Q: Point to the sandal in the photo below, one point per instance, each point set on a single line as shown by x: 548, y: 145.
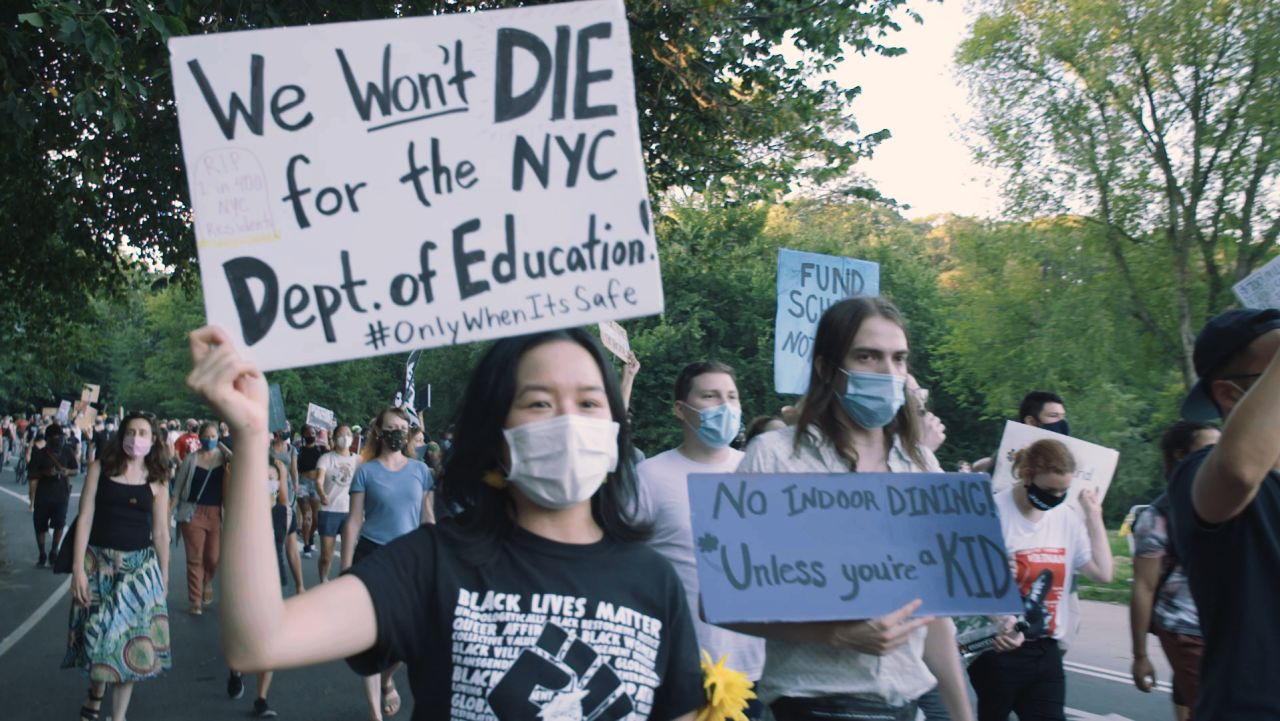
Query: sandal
x: 390, y: 698
x: 91, y: 714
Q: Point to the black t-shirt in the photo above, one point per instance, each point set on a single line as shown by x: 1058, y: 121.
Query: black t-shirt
x: 54, y: 483
x: 602, y: 629
x: 1234, y: 573
x: 309, y: 457
x: 100, y: 440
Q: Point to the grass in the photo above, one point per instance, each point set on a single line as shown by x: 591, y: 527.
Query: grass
x: 1118, y: 590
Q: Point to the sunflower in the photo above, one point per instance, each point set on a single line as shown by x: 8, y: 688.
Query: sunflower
x: 728, y: 691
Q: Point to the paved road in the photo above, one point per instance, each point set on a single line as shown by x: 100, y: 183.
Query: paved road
x: 35, y: 688
x: 34, y: 606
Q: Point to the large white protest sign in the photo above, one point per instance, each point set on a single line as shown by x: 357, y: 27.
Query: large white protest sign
x: 808, y: 284
x: 376, y: 187
x: 1095, y: 465
x: 1262, y: 288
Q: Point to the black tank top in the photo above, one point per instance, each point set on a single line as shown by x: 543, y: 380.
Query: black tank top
x: 121, y: 516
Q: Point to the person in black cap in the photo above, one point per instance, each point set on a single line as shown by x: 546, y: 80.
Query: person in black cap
x: 1225, y: 501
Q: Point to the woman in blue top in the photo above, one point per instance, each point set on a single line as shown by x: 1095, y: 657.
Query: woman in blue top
x: 390, y: 496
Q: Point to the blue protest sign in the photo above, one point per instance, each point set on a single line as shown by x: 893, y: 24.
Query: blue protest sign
x: 808, y: 284
x: 829, y: 547
x: 276, y: 420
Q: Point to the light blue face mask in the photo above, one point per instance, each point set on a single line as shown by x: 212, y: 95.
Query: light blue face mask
x: 718, y: 426
x: 873, y: 399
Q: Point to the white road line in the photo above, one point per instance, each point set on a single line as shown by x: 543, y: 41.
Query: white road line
x: 19, y: 496
x: 12, y: 639
x: 1075, y: 714
x: 23, y: 497
x: 1110, y: 674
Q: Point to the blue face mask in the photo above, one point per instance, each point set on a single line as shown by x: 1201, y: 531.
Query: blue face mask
x: 209, y: 444
x: 873, y: 399
x: 718, y: 426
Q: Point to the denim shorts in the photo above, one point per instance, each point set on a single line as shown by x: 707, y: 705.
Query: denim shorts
x: 331, y: 523
x: 307, y: 489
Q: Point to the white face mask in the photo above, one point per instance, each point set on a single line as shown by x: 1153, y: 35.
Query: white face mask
x: 563, y: 461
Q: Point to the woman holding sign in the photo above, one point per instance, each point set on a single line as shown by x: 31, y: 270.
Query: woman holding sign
x: 533, y: 601
x: 1050, y: 543
x: 855, y: 418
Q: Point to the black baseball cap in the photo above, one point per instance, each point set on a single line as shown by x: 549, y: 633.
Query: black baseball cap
x: 1221, y: 339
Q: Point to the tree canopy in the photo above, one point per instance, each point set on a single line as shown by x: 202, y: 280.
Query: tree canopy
x: 1157, y: 121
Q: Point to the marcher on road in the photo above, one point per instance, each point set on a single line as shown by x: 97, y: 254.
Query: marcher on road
x: 540, y: 485
x: 119, y: 625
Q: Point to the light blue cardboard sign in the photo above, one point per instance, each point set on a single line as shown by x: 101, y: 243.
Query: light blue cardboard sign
x: 831, y: 547
x: 808, y: 284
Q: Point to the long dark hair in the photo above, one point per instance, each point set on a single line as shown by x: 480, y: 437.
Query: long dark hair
x: 821, y: 406
x: 485, y: 513
x: 114, y: 459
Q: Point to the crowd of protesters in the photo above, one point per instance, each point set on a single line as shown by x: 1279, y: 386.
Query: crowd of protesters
x: 540, y: 497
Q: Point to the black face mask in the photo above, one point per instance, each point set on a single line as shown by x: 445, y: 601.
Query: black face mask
x: 1058, y: 427
x: 394, y: 440
x: 1043, y: 499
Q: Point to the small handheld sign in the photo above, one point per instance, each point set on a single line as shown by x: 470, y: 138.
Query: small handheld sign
x: 1095, y: 464
x: 1262, y: 288
x: 377, y: 187
x: 614, y: 337
x: 847, y: 546
x: 320, y: 417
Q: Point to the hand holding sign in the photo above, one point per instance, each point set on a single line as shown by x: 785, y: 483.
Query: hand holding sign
x: 881, y: 635
x: 231, y: 385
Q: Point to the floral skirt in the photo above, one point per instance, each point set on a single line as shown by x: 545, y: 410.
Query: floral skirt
x: 123, y: 635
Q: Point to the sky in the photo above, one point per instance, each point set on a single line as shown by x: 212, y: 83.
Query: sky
x: 920, y: 99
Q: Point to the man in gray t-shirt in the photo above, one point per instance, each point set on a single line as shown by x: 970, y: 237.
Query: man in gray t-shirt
x: 710, y: 415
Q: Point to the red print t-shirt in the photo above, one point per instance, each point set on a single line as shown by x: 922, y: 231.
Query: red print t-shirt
x: 1047, y: 552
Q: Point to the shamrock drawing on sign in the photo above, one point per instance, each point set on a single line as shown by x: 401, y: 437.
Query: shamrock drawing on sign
x: 708, y: 545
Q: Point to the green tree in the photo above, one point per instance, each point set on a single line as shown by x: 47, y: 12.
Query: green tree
x: 1039, y: 306
x: 1158, y: 122
x: 90, y: 138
